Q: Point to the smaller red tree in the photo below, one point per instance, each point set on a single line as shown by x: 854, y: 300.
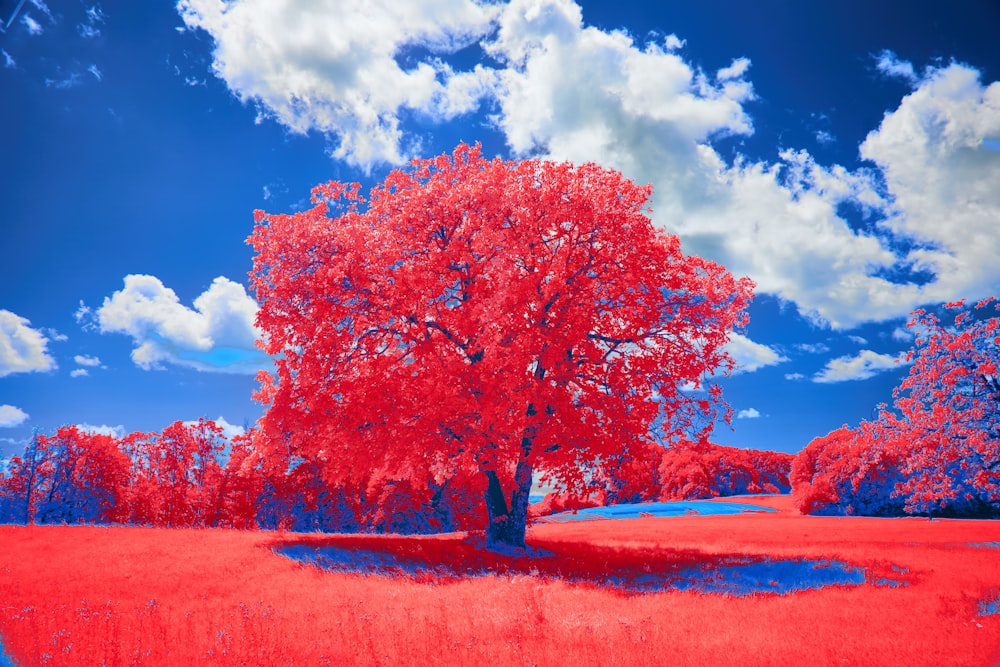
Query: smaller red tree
x: 939, y: 450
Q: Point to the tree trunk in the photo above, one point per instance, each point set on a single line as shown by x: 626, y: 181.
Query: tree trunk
x: 508, y: 523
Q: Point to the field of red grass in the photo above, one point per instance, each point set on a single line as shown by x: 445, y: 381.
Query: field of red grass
x: 136, y: 596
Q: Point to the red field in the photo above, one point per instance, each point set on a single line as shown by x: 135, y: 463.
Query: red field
x: 134, y: 596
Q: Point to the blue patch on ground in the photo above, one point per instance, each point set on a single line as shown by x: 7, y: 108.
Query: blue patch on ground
x: 989, y: 608
x: 338, y: 559
x: 736, y: 577
x: 770, y: 576
x: 985, y: 545
x: 5, y: 660
x: 640, y: 510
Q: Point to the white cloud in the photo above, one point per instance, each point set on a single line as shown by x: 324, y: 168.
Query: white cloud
x: 813, y: 348
x: 735, y: 71
x: 794, y: 376
x: 86, y: 360
x: 8, y: 60
x: 342, y: 67
x: 79, y: 373
x: 824, y: 137
x: 749, y: 413
x: 860, y: 340
x: 890, y: 65
x: 33, y: 26
x: 751, y: 356
x: 218, y: 334
x: 93, y: 69
x: 861, y: 366
x: 22, y: 349
x: 89, y: 29
x: 942, y: 181
x: 12, y: 416
x: 563, y: 90
x: 580, y: 94
x: 230, y: 431
x: 672, y: 42
x: 103, y: 429
x: 902, y: 334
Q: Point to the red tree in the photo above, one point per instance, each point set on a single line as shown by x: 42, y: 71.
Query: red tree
x: 480, y: 320
x: 176, y: 475
x: 939, y: 451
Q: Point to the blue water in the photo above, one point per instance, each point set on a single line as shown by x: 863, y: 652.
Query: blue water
x: 678, y: 508
x: 738, y: 577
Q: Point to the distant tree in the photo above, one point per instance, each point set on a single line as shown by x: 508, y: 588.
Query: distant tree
x: 176, y: 475
x: 70, y: 477
x: 86, y: 475
x: 479, y: 320
x: 938, y: 451
x: 692, y: 470
x: 21, y: 483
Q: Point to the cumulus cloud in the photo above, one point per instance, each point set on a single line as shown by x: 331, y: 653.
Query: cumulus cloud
x: 890, y: 65
x: 751, y: 356
x: 813, y: 348
x: 749, y: 413
x: 12, y: 416
x: 942, y: 181
x: 102, y: 429
x: 79, y: 373
x: 230, y: 431
x: 86, y: 360
x: 22, y: 349
x: 348, y: 68
x: 861, y: 366
x: 794, y: 376
x: 781, y: 223
x: 217, y: 335
x: 567, y: 91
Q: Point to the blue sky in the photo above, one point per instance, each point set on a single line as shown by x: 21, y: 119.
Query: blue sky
x: 844, y: 155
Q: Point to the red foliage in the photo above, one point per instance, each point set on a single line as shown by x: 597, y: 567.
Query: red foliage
x: 939, y: 452
x: 135, y: 596
x: 482, y: 319
x: 689, y: 471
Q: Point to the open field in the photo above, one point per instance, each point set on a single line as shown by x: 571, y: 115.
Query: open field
x: 137, y: 596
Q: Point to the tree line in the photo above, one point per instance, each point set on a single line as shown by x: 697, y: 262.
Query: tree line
x: 191, y: 475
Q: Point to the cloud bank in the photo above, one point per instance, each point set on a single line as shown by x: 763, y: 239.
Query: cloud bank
x: 927, y: 196
x: 340, y: 66
x: 217, y: 335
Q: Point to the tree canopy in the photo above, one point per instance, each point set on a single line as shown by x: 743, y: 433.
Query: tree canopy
x: 472, y: 321
x: 938, y: 452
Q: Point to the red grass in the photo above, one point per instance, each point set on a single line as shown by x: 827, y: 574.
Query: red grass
x: 137, y: 596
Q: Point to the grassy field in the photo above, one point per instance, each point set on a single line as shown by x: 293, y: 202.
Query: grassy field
x: 135, y: 596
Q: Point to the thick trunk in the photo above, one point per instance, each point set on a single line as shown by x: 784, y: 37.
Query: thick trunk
x: 508, y: 523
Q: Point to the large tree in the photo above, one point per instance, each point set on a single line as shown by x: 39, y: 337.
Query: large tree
x: 479, y: 320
